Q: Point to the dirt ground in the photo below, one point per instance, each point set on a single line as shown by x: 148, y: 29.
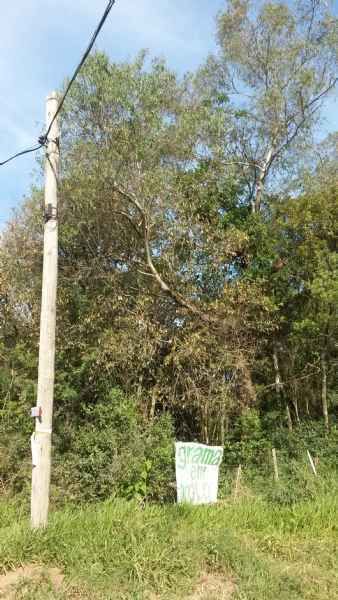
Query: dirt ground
x: 213, y: 587
x: 36, y: 581
x: 13, y: 583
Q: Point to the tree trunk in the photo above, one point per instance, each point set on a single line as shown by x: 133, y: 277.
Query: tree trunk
x: 278, y: 383
x: 152, y: 405
x: 295, y: 405
x: 256, y: 204
x: 247, y: 387
x: 205, y: 422
x: 324, y: 390
x: 288, y: 417
x: 279, y: 387
x: 307, y: 405
x: 222, y: 425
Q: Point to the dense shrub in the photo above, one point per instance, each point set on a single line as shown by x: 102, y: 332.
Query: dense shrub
x: 114, y: 451
x: 108, y: 449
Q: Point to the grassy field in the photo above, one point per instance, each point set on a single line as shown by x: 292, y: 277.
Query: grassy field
x: 251, y: 549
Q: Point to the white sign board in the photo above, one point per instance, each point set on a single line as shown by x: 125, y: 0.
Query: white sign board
x: 197, y: 469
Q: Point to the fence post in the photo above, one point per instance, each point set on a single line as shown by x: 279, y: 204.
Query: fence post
x: 237, y: 481
x: 275, y: 464
x: 311, y: 463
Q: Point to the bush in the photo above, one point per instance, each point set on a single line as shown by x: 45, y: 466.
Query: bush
x: 250, y: 444
x: 114, y: 451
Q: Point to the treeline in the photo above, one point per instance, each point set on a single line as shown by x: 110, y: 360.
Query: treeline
x: 198, y: 287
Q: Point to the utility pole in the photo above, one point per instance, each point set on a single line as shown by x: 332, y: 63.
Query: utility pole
x: 43, y: 412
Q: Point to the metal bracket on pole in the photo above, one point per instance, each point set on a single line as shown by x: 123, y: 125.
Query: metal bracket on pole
x: 50, y: 213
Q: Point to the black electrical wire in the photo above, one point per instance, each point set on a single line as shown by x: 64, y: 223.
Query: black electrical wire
x: 44, y: 138
x: 78, y: 68
x: 20, y: 154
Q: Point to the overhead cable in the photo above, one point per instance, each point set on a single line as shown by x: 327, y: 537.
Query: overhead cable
x: 44, y: 138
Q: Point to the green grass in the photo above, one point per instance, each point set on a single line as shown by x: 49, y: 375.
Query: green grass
x: 120, y: 550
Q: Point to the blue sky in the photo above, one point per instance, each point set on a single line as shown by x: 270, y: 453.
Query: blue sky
x: 41, y: 42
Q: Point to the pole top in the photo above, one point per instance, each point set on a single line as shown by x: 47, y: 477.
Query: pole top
x: 52, y: 96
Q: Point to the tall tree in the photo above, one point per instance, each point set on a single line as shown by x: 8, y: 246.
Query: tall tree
x: 278, y: 61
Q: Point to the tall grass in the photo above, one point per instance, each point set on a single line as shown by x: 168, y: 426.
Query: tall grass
x: 121, y: 550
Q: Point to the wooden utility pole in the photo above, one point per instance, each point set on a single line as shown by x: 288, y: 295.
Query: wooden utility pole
x: 43, y: 413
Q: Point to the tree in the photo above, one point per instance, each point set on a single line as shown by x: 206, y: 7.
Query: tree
x: 279, y: 62
x: 171, y: 290
x: 304, y: 231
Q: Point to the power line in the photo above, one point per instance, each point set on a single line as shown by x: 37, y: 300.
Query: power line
x: 43, y: 138
x: 78, y: 68
x: 28, y: 151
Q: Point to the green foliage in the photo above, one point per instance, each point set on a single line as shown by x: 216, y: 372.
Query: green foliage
x: 113, y: 451
x: 188, y: 307
x: 277, y: 61
x: 250, y: 445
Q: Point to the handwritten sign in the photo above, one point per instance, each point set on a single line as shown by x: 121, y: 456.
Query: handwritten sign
x: 197, y: 469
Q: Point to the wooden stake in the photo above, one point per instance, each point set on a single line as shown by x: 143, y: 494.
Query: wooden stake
x: 275, y: 464
x: 41, y: 439
x: 312, y: 463
x: 237, y: 482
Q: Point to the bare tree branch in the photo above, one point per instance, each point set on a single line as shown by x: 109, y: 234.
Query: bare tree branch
x: 176, y: 296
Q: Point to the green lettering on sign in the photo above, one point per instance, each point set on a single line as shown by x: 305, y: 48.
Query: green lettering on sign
x: 197, y: 472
